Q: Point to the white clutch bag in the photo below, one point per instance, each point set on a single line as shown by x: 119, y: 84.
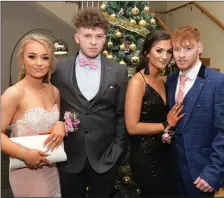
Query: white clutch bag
x: 36, y: 142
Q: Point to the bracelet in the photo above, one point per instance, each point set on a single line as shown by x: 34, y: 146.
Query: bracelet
x: 165, y: 124
x: 59, y: 121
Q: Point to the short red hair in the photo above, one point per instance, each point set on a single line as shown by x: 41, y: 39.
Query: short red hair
x: 186, y: 34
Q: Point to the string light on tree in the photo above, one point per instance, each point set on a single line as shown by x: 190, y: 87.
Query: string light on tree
x: 126, y: 180
x: 138, y: 191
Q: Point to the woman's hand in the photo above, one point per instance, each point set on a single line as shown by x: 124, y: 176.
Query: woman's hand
x: 57, y: 134
x: 174, y: 114
x: 34, y: 158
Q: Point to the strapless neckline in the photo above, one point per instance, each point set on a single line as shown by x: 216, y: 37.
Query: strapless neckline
x: 35, y: 108
x: 35, y: 120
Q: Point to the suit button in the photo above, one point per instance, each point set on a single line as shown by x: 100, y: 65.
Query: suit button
x: 86, y: 113
x: 86, y: 131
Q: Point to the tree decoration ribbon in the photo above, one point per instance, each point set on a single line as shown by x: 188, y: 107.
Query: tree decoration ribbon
x: 126, y: 25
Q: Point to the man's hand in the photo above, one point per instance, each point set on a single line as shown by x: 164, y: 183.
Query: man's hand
x: 57, y: 134
x: 203, y: 185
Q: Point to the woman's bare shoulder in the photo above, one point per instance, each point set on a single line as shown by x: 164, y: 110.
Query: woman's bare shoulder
x: 15, y: 91
x: 137, y: 80
x: 52, y: 88
x: 137, y: 85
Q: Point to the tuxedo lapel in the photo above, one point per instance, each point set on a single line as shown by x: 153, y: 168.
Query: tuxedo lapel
x: 106, y: 70
x: 193, y: 94
x: 75, y: 88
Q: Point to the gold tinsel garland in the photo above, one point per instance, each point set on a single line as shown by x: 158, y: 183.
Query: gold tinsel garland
x: 127, y: 25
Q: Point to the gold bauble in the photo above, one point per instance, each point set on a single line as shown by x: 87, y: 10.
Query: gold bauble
x: 153, y: 21
x: 113, y: 16
x: 126, y: 180
x: 109, y: 56
x: 132, y: 47
x: 142, y: 23
x: 132, y: 21
x: 103, y: 7
x: 135, y: 60
x: 122, y: 47
x: 135, y: 11
x: 105, y: 52
x: 122, y: 62
x: 146, y: 9
x: 110, y: 44
x: 118, y: 34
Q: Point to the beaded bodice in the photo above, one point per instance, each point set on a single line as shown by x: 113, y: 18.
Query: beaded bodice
x: 34, y: 121
x: 154, y: 110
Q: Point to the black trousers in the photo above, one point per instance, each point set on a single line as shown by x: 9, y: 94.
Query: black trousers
x: 99, y: 185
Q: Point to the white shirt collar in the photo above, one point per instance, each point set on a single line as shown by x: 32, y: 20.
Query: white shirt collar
x: 193, y: 72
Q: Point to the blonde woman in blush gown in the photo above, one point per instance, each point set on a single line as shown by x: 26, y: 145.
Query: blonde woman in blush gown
x: 31, y: 107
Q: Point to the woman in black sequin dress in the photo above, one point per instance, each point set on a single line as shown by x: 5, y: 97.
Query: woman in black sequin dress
x: 146, y: 116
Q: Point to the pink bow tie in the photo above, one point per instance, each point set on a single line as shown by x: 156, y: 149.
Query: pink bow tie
x: 91, y: 63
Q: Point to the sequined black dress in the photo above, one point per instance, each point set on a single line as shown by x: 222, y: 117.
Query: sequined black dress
x: 149, y: 157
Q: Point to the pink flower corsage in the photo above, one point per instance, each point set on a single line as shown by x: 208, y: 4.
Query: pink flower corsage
x: 166, y: 138
x: 71, y: 121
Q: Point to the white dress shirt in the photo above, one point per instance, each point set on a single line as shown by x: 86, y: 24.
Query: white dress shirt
x: 88, y: 79
x: 192, y: 75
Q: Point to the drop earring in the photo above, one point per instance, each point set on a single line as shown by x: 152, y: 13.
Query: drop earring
x: 146, y: 72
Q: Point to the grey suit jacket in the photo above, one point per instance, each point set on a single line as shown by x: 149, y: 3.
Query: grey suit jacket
x: 102, y: 134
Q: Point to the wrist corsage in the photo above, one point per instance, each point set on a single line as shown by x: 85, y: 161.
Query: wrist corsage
x: 71, y: 121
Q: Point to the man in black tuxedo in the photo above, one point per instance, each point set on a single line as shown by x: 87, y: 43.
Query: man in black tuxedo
x: 95, y: 88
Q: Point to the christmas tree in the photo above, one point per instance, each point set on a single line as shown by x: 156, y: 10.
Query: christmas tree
x: 130, y: 22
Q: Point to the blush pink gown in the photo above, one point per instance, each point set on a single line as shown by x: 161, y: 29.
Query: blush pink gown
x: 35, y: 183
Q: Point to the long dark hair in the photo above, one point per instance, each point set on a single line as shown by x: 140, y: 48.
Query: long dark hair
x: 151, y: 39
